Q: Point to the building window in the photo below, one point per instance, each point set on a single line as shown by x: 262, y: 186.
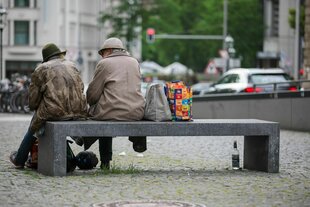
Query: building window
x: 9, y: 32
x: 20, y: 67
x: 21, y: 3
x: 21, y: 32
x: 35, y: 33
x: 275, y: 18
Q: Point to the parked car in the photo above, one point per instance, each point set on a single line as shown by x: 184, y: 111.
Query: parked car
x: 200, y: 89
x: 246, y: 80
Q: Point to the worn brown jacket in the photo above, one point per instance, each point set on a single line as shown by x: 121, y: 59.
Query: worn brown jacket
x: 115, y: 91
x: 56, y: 93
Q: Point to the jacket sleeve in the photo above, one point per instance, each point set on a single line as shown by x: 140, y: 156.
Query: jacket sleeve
x: 95, y: 88
x: 35, y: 93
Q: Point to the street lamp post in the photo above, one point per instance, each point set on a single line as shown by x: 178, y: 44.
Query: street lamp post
x: 229, y: 46
x: 2, y: 15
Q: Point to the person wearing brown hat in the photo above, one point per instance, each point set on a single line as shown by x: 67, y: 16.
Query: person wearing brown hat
x: 55, y: 93
x: 115, y: 93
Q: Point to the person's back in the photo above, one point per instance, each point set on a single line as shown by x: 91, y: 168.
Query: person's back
x: 115, y: 92
x: 55, y: 93
x: 62, y: 97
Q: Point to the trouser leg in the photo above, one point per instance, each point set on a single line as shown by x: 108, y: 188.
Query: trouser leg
x: 24, y: 148
x: 105, y: 149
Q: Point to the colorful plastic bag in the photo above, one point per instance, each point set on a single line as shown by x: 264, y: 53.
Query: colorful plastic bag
x: 180, y: 100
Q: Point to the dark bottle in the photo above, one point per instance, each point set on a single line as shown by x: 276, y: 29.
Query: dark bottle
x: 235, y: 157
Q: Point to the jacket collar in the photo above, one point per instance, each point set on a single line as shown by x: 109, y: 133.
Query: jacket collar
x: 119, y: 53
x: 54, y: 57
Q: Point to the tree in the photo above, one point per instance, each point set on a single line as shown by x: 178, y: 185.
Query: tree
x: 125, y: 19
x: 164, y: 17
x: 182, y: 17
x: 245, y: 25
x: 206, y: 17
x: 203, y: 17
x: 209, y: 23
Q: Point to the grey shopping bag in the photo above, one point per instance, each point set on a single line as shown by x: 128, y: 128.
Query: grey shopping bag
x: 156, y: 106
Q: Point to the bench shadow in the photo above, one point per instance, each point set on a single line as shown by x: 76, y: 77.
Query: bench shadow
x: 176, y: 172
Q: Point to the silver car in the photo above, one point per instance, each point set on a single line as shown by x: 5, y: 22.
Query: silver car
x: 252, y: 80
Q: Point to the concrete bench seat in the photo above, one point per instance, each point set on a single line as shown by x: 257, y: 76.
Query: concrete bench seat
x: 261, y: 138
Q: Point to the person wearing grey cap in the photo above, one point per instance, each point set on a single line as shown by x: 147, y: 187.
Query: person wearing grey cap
x: 115, y: 94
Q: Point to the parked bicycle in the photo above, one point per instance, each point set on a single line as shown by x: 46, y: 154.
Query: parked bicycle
x: 14, y: 95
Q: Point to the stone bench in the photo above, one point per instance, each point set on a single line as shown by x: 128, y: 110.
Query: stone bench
x: 261, y: 138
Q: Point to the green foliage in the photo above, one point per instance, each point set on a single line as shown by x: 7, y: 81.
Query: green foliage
x: 203, y: 17
x: 124, y: 19
x: 210, y: 22
x: 245, y: 25
x: 164, y: 18
x: 185, y: 17
x: 291, y: 19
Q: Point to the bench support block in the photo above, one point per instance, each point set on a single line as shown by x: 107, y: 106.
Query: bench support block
x: 52, y: 157
x: 261, y: 153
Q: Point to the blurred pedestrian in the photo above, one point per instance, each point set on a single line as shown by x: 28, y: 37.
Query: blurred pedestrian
x: 55, y: 93
x: 115, y: 94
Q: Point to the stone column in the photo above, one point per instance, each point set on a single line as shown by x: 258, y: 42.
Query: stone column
x: 307, y: 44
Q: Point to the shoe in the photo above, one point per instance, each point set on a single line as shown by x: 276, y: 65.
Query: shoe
x: 30, y: 164
x: 138, y: 144
x: 139, y: 147
x: 12, y: 159
x: 105, y: 165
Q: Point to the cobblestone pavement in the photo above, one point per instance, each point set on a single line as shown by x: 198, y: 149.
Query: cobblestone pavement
x: 189, y: 169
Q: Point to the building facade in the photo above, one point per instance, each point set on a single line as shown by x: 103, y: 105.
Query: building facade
x: 279, y: 37
x: 307, y: 44
x: 71, y: 24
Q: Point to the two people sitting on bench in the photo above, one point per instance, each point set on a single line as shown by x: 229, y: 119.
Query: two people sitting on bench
x: 56, y: 93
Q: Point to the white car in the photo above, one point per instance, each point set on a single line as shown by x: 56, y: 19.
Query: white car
x: 243, y: 80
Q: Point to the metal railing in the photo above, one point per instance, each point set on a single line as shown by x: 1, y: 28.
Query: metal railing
x: 297, y: 84
x: 292, y: 83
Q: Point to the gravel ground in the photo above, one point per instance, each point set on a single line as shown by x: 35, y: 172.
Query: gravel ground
x: 189, y: 169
